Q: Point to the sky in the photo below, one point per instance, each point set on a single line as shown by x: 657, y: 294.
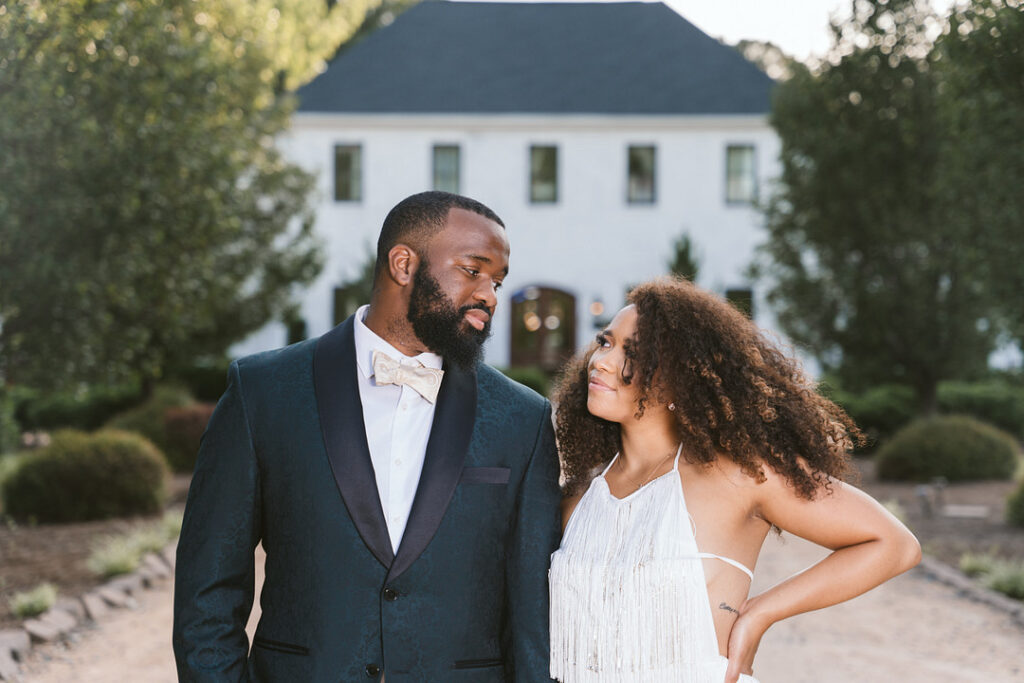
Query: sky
x: 799, y: 27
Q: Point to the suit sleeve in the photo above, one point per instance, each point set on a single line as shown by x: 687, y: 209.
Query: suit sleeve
x: 535, y: 536
x: 213, y: 584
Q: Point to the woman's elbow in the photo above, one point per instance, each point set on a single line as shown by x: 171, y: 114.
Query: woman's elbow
x: 907, y: 550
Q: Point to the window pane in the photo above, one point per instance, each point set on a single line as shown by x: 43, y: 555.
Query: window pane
x: 348, y: 173
x: 446, y: 168
x: 543, y: 174
x: 641, y: 174
x: 741, y: 178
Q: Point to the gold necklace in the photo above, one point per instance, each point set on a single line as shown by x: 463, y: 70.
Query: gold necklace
x: 647, y: 479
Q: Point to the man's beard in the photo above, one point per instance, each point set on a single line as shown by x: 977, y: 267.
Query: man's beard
x: 439, y: 325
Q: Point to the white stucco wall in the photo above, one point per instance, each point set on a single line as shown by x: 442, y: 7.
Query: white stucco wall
x: 591, y: 242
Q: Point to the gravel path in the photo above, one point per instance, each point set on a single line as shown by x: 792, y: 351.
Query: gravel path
x: 911, y: 629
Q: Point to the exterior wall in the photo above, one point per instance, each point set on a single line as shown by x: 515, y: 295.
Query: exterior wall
x: 591, y: 242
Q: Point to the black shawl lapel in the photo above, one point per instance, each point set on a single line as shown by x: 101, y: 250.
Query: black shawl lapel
x: 442, y: 464
x: 341, y: 419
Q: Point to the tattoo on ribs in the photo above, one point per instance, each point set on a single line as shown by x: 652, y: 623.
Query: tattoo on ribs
x: 726, y: 607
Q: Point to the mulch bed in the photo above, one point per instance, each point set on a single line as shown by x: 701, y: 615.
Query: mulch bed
x: 30, y: 555
x: 58, y: 553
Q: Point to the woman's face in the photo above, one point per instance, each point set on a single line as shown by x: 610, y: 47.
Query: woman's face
x: 608, y: 396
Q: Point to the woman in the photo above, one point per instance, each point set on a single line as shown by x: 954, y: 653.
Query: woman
x: 703, y: 437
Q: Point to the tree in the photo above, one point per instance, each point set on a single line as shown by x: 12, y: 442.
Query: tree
x: 684, y: 261
x: 862, y: 265
x: 980, y: 65
x: 146, y: 216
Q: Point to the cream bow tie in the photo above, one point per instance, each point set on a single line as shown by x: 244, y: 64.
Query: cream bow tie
x: 425, y: 381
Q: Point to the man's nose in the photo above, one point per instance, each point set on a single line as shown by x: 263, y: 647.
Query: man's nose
x: 486, y: 294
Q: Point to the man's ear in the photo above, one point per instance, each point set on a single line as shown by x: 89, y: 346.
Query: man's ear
x: 402, y: 264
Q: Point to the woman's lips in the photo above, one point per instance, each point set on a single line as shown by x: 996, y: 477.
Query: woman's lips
x: 598, y: 385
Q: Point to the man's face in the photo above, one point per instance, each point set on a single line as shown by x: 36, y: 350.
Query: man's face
x: 454, y: 289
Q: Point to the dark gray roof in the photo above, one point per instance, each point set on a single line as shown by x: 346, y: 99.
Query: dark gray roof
x: 548, y: 57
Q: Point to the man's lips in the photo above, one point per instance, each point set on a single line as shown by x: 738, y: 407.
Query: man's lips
x: 598, y: 385
x: 477, y: 318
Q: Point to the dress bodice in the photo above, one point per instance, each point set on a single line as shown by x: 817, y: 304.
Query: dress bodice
x: 628, y: 594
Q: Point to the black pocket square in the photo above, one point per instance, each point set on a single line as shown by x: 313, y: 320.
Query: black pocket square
x: 484, y: 475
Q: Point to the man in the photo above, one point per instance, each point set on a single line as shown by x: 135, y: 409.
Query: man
x: 408, y: 516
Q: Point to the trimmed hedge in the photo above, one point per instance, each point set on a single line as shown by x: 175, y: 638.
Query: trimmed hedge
x: 995, y: 402
x: 531, y: 377
x: 880, y: 411
x: 148, y: 418
x: 184, y: 428
x: 81, y: 477
x: 1015, y: 507
x: 957, y: 447
x: 86, y: 410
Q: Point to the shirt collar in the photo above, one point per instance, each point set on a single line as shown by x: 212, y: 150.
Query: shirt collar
x: 367, y: 341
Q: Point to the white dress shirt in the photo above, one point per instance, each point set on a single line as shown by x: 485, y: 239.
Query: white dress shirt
x: 397, y: 421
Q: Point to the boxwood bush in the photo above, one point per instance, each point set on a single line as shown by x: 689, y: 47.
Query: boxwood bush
x: 880, y: 411
x: 184, y: 428
x: 81, y: 476
x: 957, y: 447
x: 998, y: 403
x: 148, y: 419
x: 87, y: 409
x: 1015, y: 507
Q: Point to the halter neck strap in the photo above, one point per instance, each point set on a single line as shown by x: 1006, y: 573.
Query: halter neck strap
x: 609, y: 465
x: 679, y: 451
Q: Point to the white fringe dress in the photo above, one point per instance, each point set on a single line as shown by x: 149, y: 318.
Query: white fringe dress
x: 628, y: 596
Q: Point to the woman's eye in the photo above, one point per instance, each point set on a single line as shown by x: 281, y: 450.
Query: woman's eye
x: 602, y: 340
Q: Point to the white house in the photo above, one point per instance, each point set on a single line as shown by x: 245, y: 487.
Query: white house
x: 599, y: 132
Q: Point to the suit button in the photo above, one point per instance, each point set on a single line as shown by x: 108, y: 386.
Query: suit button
x: 390, y: 594
x: 372, y: 670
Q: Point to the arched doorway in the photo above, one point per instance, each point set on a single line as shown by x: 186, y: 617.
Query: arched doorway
x: 543, y: 330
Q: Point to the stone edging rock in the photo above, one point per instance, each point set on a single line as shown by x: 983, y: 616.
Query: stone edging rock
x: 942, y: 572
x: 68, y: 614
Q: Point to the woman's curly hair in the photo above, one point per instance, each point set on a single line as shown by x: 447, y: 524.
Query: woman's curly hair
x: 734, y: 392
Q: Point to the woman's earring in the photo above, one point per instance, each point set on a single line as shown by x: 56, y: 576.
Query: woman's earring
x: 671, y: 406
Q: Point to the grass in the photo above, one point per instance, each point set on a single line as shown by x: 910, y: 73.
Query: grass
x: 34, y: 602
x: 122, y: 554
x: 1004, y: 576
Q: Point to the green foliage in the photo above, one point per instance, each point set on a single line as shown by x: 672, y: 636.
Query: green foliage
x: 684, y: 261
x: 10, y: 429
x: 183, y: 429
x: 148, y: 418
x: 86, y: 408
x: 879, y: 411
x: 205, y: 380
x: 355, y: 291
x: 995, y: 402
x: 956, y: 447
x: 977, y: 564
x: 34, y: 602
x: 82, y: 476
x: 122, y: 554
x: 146, y: 215
x: 533, y: 377
x: 872, y: 260
x: 1015, y: 507
x: 1008, y: 578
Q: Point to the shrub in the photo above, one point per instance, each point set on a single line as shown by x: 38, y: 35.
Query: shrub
x: 206, y: 381
x: 530, y: 376
x: 975, y: 564
x: 184, y: 428
x: 122, y: 554
x: 1008, y: 578
x: 10, y: 430
x: 880, y: 411
x: 33, y: 602
x: 996, y: 402
x: 87, y: 476
x: 87, y: 409
x: 956, y: 447
x: 148, y: 419
x: 1015, y: 507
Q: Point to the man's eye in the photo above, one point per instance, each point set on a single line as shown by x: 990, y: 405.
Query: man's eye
x: 472, y: 271
x: 497, y: 286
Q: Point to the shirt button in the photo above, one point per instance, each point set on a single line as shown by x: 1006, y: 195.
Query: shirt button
x: 398, y: 461
x: 405, y: 407
x: 372, y: 670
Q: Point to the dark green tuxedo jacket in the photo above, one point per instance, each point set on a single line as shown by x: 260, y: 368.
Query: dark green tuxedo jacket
x: 285, y: 461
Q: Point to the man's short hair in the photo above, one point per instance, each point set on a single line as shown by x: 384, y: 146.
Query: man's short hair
x: 415, y: 219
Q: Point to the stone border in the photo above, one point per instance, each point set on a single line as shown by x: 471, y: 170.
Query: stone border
x: 68, y: 614
x: 940, y: 571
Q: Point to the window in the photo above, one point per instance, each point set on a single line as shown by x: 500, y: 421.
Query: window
x: 740, y: 174
x: 543, y: 174
x: 446, y: 168
x: 348, y: 173
x: 641, y: 175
